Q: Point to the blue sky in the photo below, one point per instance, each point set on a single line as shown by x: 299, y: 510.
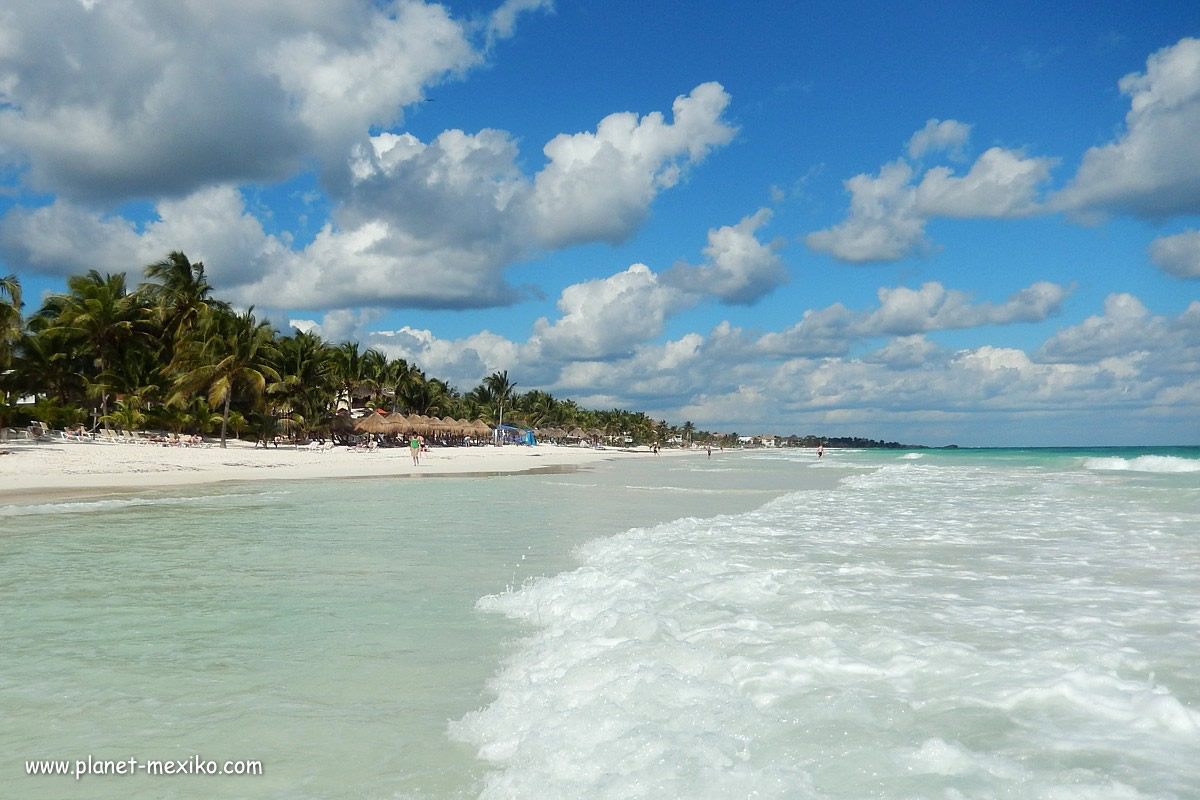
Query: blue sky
x: 939, y: 223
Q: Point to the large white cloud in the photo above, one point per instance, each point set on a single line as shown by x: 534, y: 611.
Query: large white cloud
x: 820, y: 332
x: 889, y: 211
x: 416, y: 224
x: 1001, y: 183
x: 1153, y: 168
x: 883, y: 223
x: 903, y: 312
x: 128, y: 98
x: 740, y: 268
x: 607, y: 317
x: 211, y: 225
x: 436, y: 224
x: 1126, y: 327
x: 598, y: 185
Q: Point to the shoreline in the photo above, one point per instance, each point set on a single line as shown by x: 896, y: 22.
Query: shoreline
x: 36, y: 473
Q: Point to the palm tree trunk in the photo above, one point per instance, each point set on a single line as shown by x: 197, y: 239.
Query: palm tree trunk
x: 225, y: 417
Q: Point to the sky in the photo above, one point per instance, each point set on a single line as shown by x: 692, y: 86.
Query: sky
x: 938, y: 223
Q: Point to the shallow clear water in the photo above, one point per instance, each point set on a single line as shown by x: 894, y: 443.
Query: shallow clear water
x: 875, y: 624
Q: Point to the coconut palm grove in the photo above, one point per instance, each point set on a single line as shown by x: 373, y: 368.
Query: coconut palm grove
x: 168, y: 355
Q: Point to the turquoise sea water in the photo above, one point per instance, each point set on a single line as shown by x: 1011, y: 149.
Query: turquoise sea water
x: 966, y: 623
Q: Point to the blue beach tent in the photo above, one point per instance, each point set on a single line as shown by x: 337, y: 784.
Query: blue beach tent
x: 517, y: 435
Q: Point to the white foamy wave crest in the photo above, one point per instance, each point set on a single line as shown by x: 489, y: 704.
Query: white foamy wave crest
x: 839, y: 643
x: 912, y: 456
x: 1131, y: 704
x: 1144, y: 464
x: 613, y: 695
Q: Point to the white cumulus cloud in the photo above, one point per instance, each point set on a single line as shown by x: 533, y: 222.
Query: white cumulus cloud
x: 1178, y: 255
x: 740, y: 268
x: 1152, y: 169
x: 888, y: 212
x: 131, y: 98
x: 946, y: 135
x: 607, y: 317
x: 417, y: 224
x: 599, y: 185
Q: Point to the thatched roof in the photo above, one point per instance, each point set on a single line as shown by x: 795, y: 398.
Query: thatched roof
x: 373, y: 423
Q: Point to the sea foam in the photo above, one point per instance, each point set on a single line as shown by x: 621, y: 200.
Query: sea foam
x: 904, y: 635
x: 1144, y: 464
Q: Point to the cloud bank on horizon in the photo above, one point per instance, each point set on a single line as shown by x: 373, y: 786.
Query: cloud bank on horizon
x: 743, y: 249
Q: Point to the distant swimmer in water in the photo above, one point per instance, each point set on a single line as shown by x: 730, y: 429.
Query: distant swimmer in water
x: 820, y: 450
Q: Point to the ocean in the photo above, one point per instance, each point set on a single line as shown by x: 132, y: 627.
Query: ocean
x: 999, y: 623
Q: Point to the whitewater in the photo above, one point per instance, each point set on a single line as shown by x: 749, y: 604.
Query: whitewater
x: 947, y: 625
x: 890, y: 624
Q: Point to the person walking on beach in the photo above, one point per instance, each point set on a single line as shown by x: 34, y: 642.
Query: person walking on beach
x: 710, y: 451
x: 414, y: 446
x: 820, y: 450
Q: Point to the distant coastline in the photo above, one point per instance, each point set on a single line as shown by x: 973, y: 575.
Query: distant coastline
x: 855, y: 442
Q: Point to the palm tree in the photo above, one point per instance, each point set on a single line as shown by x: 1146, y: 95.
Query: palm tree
x: 102, y: 319
x: 234, y: 351
x: 182, y: 294
x: 307, y: 384
x: 500, y: 390
x: 537, y: 407
x: 687, y: 430
x: 47, y: 363
x: 375, y: 375
x: 10, y: 316
x: 430, y: 396
x: 128, y: 415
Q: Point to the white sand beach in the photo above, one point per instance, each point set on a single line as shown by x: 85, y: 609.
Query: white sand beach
x: 34, y: 471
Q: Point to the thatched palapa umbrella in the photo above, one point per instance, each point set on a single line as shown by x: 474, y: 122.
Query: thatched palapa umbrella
x: 373, y: 423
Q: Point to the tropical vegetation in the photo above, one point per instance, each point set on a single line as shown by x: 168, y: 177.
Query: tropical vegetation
x: 168, y: 355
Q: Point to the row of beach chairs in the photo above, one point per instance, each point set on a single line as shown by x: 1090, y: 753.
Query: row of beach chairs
x: 115, y: 436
